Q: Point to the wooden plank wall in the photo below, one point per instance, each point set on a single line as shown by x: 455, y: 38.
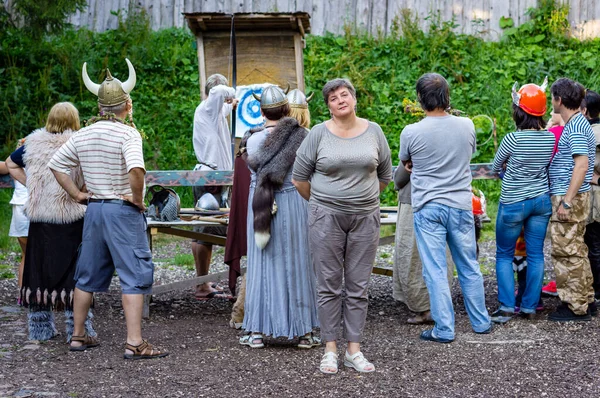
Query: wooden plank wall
x: 374, y: 16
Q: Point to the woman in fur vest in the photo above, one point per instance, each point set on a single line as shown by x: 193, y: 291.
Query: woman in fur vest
x: 56, y: 225
x: 280, y: 282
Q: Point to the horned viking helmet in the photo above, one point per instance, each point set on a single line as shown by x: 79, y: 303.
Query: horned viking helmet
x: 112, y: 91
x: 531, y: 97
x: 297, y: 99
x: 272, y: 97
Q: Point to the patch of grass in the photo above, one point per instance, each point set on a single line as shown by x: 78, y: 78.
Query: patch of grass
x: 385, y: 255
x: 387, y: 230
x: 489, y: 229
x: 6, y: 272
x: 6, y: 242
x: 184, y: 260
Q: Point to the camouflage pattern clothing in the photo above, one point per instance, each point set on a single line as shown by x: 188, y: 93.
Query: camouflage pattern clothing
x: 570, y: 254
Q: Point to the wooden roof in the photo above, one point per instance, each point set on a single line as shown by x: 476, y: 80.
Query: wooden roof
x: 221, y: 22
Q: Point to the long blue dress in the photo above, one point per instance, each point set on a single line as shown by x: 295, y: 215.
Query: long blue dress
x: 281, y: 297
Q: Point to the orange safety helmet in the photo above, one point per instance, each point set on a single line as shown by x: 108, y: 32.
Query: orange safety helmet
x: 478, y: 202
x: 531, y: 98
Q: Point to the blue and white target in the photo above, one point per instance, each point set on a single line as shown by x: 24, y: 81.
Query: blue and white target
x: 248, y: 109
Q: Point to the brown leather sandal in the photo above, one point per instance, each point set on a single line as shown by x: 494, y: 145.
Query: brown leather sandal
x: 86, y: 342
x: 144, y: 350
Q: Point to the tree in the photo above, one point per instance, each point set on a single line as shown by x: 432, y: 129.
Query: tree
x: 39, y: 17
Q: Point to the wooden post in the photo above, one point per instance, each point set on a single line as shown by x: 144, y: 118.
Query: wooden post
x: 201, y: 63
x: 146, y: 307
x: 298, y: 47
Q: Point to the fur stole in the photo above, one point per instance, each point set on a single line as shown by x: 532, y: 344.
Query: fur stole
x: 48, y: 202
x: 272, y: 163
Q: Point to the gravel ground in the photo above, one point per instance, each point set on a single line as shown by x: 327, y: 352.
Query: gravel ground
x: 522, y: 358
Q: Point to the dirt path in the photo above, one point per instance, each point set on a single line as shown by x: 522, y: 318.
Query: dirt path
x: 522, y: 358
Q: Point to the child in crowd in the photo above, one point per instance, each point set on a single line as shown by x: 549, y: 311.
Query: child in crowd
x: 19, y: 224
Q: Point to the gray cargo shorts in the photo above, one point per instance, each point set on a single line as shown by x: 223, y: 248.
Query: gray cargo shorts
x: 114, y: 237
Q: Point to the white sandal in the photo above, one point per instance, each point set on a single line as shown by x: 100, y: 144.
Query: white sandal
x: 250, y: 338
x: 329, y: 361
x: 358, y: 362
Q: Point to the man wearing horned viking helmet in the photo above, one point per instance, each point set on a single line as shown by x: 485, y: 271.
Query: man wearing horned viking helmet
x: 109, y: 152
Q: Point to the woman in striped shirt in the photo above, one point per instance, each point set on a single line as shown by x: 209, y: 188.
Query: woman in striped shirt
x: 524, y: 156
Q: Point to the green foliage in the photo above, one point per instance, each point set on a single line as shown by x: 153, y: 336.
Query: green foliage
x: 6, y: 272
x: 548, y: 23
x: 6, y: 242
x: 38, y: 17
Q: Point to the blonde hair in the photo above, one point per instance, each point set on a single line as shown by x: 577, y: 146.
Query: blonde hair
x: 302, y: 115
x: 63, y: 116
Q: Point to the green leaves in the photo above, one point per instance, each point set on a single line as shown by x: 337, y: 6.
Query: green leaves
x: 506, y: 22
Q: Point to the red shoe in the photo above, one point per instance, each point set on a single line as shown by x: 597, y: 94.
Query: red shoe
x: 550, y: 289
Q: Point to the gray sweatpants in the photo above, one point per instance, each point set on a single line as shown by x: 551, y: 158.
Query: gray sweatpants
x: 343, y: 247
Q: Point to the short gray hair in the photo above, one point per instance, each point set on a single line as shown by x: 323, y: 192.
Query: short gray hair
x: 213, y: 81
x: 335, y: 84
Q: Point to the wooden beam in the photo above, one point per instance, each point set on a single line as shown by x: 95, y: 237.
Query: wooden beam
x: 298, y: 47
x: 184, y: 233
x: 386, y: 240
x: 201, y: 64
x: 242, y: 33
x: 383, y: 271
x: 301, y: 27
x: 188, y: 283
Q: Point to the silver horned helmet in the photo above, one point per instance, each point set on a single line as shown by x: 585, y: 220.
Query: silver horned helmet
x: 272, y: 97
x: 297, y: 99
x: 112, y: 91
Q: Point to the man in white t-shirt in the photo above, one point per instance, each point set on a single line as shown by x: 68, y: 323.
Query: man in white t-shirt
x: 212, y: 145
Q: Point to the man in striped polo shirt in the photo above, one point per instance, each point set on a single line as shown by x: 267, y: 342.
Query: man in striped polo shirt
x: 570, y: 174
x: 109, y: 152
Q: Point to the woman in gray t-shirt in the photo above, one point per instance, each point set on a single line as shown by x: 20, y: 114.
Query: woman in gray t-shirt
x: 341, y: 167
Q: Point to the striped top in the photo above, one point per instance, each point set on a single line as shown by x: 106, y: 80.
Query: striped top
x: 577, y: 139
x: 527, y: 154
x: 106, y: 152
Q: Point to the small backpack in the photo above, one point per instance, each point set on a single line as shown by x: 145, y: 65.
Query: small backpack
x: 164, y: 204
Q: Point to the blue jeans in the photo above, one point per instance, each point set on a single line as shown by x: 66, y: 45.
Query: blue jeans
x: 435, y: 225
x: 533, y: 215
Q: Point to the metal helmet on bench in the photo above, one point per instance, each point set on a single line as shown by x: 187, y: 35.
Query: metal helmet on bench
x: 112, y: 91
x: 272, y: 97
x: 297, y: 99
x: 531, y: 98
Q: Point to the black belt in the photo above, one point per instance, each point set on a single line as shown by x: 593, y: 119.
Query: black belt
x: 114, y: 202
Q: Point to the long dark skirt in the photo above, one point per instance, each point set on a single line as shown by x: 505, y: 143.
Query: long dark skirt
x: 50, y: 261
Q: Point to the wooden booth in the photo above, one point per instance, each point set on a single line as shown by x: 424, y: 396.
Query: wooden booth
x: 268, y: 47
